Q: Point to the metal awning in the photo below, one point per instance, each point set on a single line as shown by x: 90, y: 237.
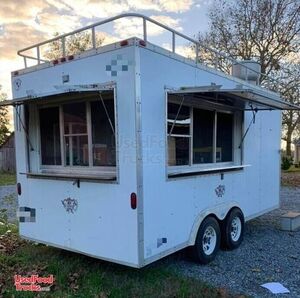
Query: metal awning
x: 233, y: 99
x: 61, y: 92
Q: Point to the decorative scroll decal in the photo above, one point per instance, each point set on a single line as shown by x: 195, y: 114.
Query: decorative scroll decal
x: 70, y: 205
x: 17, y: 84
x: 220, y: 191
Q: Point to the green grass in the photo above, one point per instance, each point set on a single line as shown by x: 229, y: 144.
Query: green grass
x: 80, y: 276
x: 7, y: 179
x: 293, y: 169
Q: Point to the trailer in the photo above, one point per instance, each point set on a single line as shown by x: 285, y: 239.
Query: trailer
x: 129, y: 152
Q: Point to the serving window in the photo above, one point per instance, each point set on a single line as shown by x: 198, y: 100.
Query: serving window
x: 201, y: 138
x: 75, y: 135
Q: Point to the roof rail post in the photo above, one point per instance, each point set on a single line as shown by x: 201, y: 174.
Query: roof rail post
x: 63, y: 43
x: 173, y: 41
x: 25, y: 61
x: 93, y: 37
x: 38, y: 54
x: 197, y: 52
x: 145, y: 29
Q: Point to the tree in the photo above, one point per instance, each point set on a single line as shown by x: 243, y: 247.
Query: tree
x: 267, y: 31
x: 4, y: 119
x: 290, y: 91
x: 75, y: 44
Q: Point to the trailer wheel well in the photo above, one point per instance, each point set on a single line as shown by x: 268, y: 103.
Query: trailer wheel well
x: 220, y: 214
x: 229, y: 211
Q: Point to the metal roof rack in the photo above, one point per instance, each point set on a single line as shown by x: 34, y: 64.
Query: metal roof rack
x: 194, y: 43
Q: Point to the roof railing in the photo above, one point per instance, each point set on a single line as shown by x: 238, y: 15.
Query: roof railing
x: 195, y: 44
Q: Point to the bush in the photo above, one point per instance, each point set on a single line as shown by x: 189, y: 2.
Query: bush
x: 286, y: 163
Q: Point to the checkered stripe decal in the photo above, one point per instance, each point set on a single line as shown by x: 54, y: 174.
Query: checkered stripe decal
x: 27, y: 214
x: 117, y: 66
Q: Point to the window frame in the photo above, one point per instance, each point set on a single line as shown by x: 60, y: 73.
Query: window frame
x: 89, y: 171
x: 237, y: 153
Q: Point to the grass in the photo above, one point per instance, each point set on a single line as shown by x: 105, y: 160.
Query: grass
x: 80, y: 276
x: 293, y: 169
x: 7, y: 178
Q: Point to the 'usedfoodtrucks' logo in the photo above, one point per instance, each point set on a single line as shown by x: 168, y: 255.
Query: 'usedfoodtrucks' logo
x: 70, y: 205
x: 220, y: 191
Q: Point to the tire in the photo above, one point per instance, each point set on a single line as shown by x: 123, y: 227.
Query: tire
x: 232, y: 230
x: 207, y: 242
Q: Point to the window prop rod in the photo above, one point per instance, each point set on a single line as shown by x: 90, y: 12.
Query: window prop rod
x: 254, y: 112
x: 174, y: 122
x: 24, y: 128
x: 107, y: 115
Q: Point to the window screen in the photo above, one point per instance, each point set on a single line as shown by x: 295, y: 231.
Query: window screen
x: 75, y: 134
x: 224, y: 137
x: 50, y: 136
x: 79, y: 133
x: 103, y: 138
x: 203, y: 134
x: 179, y: 122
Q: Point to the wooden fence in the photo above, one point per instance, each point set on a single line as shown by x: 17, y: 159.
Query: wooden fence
x: 7, y: 155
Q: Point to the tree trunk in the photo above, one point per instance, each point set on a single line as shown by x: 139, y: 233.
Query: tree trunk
x: 289, y: 144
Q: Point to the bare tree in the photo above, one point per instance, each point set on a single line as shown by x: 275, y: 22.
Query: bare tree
x: 4, y: 119
x: 74, y: 44
x: 290, y: 91
x: 266, y: 30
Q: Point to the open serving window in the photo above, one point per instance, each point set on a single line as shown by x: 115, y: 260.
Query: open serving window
x: 205, y: 127
x: 70, y: 134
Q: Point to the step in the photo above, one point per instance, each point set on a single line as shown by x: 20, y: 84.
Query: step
x: 290, y: 221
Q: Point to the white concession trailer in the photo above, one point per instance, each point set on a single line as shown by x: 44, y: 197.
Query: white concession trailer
x: 129, y: 152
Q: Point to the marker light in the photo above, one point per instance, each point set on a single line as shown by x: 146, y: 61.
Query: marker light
x: 19, y: 189
x: 133, y: 200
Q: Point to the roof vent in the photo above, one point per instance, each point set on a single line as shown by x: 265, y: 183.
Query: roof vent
x: 247, y: 70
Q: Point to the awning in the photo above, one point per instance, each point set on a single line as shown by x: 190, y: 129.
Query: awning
x: 61, y: 92
x: 232, y: 99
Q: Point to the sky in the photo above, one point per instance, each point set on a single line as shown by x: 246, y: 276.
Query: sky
x: 25, y: 22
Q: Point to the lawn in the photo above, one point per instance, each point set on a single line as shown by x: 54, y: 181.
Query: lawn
x: 80, y: 276
x: 293, y: 169
x: 7, y: 179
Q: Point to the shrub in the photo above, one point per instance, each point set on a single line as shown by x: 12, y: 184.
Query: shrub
x: 286, y: 162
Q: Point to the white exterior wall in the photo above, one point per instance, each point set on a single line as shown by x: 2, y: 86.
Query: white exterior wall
x: 104, y: 224
x: 173, y: 208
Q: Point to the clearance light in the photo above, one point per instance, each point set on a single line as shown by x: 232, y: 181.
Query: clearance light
x: 133, y: 200
x: 124, y: 43
x: 142, y: 43
x: 19, y: 189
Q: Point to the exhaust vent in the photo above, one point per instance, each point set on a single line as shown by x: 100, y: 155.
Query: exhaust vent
x: 247, y: 70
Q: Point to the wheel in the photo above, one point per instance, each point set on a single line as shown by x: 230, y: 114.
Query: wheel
x: 207, y: 242
x: 233, y: 229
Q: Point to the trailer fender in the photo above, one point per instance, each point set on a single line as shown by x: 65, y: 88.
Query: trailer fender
x: 220, y: 211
